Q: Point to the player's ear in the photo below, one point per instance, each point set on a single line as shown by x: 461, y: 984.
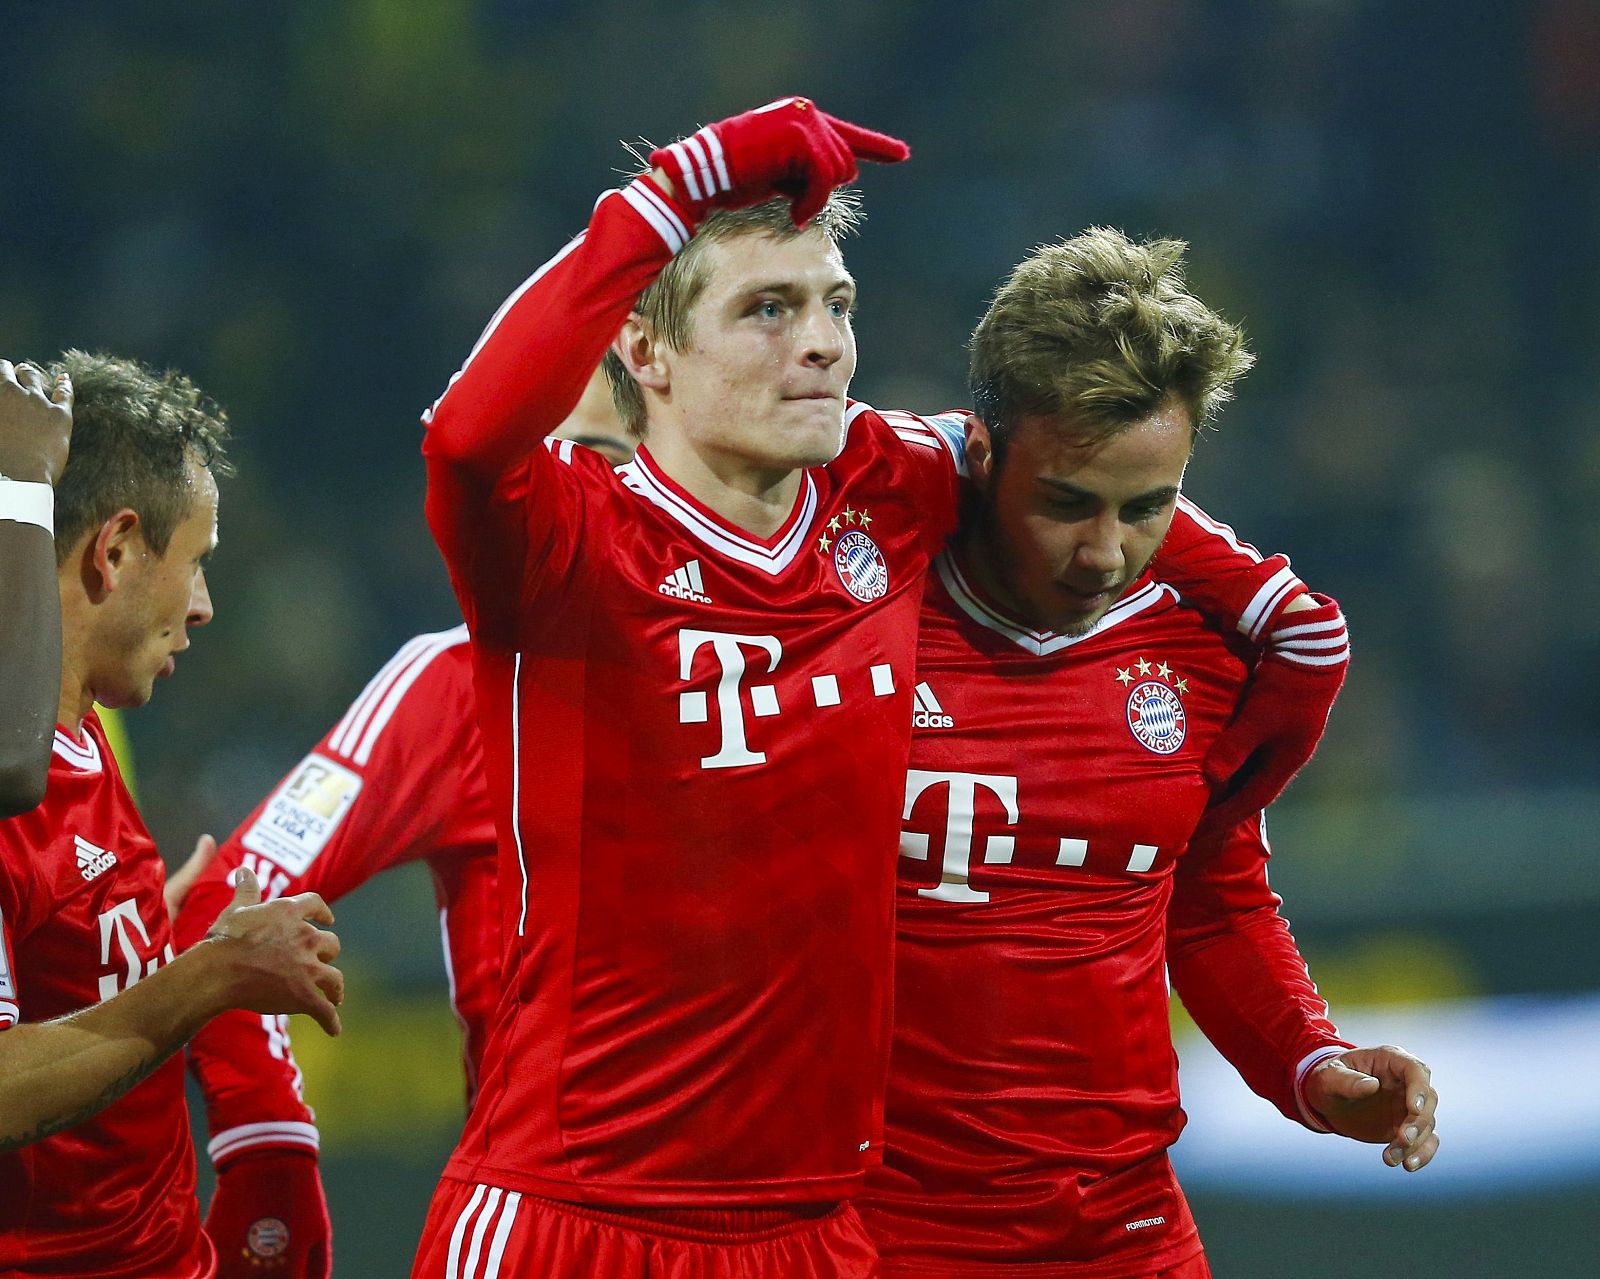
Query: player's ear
x: 642, y: 354
x: 980, y: 452
x: 118, y: 543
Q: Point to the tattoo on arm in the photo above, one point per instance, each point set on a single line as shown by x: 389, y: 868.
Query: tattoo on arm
x: 113, y: 1091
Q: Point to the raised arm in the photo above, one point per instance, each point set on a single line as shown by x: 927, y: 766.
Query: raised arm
x: 35, y: 426
x: 530, y: 366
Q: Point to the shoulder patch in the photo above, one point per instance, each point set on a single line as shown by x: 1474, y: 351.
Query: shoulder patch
x: 303, y: 813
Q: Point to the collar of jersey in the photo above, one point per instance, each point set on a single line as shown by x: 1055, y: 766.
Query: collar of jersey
x: 83, y: 756
x: 1040, y: 643
x: 771, y: 555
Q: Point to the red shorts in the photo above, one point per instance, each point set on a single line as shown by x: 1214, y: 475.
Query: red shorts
x: 1194, y: 1268
x: 484, y: 1232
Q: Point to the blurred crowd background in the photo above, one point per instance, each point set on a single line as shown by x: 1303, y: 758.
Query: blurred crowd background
x: 313, y: 207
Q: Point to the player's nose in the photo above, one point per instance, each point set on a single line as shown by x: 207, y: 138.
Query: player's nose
x: 200, y: 610
x: 1100, y: 550
x: 821, y: 336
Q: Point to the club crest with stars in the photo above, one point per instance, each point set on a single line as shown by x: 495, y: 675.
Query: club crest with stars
x: 1155, y: 705
x: 856, y: 557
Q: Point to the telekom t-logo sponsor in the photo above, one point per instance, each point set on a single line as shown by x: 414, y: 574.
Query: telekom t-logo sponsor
x: 122, y: 923
x: 729, y: 652
x: 961, y: 808
x: 734, y: 655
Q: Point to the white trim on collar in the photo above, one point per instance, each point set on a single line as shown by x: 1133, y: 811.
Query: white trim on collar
x: 83, y: 756
x: 1041, y: 643
x: 642, y: 478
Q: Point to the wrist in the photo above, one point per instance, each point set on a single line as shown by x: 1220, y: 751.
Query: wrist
x: 1313, y: 1118
x: 28, y: 501
x: 1314, y: 636
x: 273, y: 1139
x: 210, y: 974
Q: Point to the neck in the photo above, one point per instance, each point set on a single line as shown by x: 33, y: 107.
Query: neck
x: 76, y: 696
x: 76, y: 700
x: 979, y: 559
x: 753, y: 498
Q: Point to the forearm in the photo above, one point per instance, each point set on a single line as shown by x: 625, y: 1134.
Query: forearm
x: 530, y: 366
x: 30, y: 656
x: 246, y: 1074
x: 58, y: 1073
x: 1248, y: 989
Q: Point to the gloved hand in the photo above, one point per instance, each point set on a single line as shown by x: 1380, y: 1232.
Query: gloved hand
x: 1281, y: 716
x: 269, y: 1217
x: 787, y: 148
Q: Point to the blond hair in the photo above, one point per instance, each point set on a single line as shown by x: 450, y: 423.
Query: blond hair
x: 1103, y: 330
x: 667, y: 305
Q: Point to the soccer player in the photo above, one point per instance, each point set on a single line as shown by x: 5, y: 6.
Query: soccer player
x: 1050, y: 872
x: 693, y: 678
x: 398, y: 778
x: 96, y: 1162
x: 35, y: 426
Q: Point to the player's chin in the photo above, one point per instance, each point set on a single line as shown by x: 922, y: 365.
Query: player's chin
x: 814, y: 444
x: 1074, y: 621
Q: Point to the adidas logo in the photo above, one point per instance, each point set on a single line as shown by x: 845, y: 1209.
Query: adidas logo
x: 92, y: 861
x: 928, y: 713
x: 685, y: 584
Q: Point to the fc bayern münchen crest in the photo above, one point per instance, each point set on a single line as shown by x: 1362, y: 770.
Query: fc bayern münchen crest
x: 861, y: 566
x: 1156, y: 717
x: 268, y: 1238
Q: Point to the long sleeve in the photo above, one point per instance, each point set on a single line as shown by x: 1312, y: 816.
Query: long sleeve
x: 386, y: 785
x: 1239, y: 972
x: 1228, y: 579
x: 497, y: 506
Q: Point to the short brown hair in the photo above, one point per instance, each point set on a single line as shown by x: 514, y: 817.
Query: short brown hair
x: 133, y: 431
x: 666, y: 305
x: 1102, y: 329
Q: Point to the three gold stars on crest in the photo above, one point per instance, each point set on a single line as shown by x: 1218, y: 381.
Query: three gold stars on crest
x: 1125, y: 675
x: 846, y: 516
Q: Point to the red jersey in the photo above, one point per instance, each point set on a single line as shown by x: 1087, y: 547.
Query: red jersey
x: 695, y: 741
x: 82, y: 918
x: 399, y: 778
x: 1055, y: 782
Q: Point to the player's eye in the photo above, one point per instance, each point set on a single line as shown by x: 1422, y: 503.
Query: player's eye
x: 1144, y: 513
x: 768, y: 309
x: 840, y: 308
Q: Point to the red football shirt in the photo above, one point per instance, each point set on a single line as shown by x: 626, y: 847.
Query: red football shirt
x: 695, y: 741
x: 1054, y: 786
x: 83, y: 918
x: 399, y: 778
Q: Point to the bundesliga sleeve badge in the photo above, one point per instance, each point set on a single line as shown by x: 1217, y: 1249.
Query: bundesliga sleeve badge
x: 1155, y: 711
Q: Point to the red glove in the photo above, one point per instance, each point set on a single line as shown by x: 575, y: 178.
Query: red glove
x: 1282, y: 715
x: 787, y: 148
x: 269, y: 1217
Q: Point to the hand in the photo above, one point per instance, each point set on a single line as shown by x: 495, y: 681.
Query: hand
x: 35, y: 423
x: 278, y: 959
x: 1282, y: 715
x: 1378, y: 1095
x: 268, y: 1215
x: 183, y: 879
x: 787, y: 148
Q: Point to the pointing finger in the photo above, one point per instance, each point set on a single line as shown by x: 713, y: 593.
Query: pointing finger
x: 869, y: 144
